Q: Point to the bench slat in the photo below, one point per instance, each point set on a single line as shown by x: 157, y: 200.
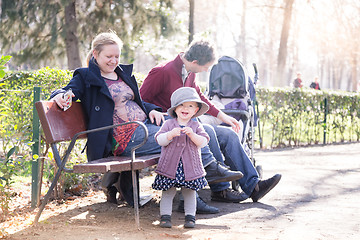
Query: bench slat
x: 116, y: 164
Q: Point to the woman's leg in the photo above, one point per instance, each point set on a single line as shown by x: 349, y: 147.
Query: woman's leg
x: 107, y: 184
x: 150, y: 147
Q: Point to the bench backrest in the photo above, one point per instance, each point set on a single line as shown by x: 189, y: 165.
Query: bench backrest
x: 59, y: 125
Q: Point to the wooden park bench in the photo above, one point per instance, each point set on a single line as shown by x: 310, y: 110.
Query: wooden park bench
x: 70, y: 125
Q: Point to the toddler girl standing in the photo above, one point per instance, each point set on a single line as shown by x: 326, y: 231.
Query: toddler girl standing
x: 180, y: 162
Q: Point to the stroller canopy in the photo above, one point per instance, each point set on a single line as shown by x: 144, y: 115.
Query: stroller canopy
x: 228, y: 79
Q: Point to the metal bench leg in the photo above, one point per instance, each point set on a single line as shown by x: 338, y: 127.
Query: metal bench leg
x: 136, y: 198
x: 48, y: 194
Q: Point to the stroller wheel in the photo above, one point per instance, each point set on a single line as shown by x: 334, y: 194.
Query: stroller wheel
x: 260, y: 171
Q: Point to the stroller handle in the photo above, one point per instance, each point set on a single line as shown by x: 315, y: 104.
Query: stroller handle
x: 256, y: 77
x: 255, y: 68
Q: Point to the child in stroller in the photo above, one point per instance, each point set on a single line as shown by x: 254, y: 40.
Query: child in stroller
x: 232, y: 90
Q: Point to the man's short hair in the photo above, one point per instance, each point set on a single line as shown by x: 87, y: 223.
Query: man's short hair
x: 201, y: 51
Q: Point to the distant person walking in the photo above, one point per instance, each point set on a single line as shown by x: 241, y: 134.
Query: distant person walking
x: 315, y: 84
x: 298, y: 81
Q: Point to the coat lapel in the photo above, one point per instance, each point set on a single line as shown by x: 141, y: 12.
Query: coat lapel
x: 98, y: 80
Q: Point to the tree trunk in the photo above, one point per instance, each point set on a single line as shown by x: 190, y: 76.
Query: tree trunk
x: 330, y: 74
x: 191, y: 20
x: 281, y: 61
x: 354, y: 73
x: 340, y: 76
x: 71, y: 39
x: 243, y: 32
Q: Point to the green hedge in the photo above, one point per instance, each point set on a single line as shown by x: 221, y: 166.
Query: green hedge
x: 293, y: 117
x: 16, y: 97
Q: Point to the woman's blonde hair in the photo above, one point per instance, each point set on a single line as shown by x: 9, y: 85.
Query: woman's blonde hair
x: 102, y: 39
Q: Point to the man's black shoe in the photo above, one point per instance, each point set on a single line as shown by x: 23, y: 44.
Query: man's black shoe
x: 216, y: 173
x: 228, y: 195
x: 264, y: 186
x: 201, y: 207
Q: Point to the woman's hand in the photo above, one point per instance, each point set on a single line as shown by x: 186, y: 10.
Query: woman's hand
x: 60, y: 100
x: 157, y: 117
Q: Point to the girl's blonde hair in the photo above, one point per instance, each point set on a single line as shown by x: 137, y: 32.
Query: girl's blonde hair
x: 102, y: 39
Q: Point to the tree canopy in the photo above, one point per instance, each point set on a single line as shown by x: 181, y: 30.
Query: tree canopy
x: 35, y: 32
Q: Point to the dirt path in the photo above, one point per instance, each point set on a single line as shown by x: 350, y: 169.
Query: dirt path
x: 317, y: 198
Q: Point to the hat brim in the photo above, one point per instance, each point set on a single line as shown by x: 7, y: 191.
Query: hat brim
x: 204, y: 108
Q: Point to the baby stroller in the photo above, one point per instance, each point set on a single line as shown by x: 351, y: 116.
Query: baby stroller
x: 233, y: 91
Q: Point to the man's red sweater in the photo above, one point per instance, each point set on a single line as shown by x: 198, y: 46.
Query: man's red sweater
x: 164, y: 79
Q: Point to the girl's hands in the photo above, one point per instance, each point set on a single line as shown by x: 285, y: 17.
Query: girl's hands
x: 187, y: 130
x: 175, y: 132
x: 199, y: 141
